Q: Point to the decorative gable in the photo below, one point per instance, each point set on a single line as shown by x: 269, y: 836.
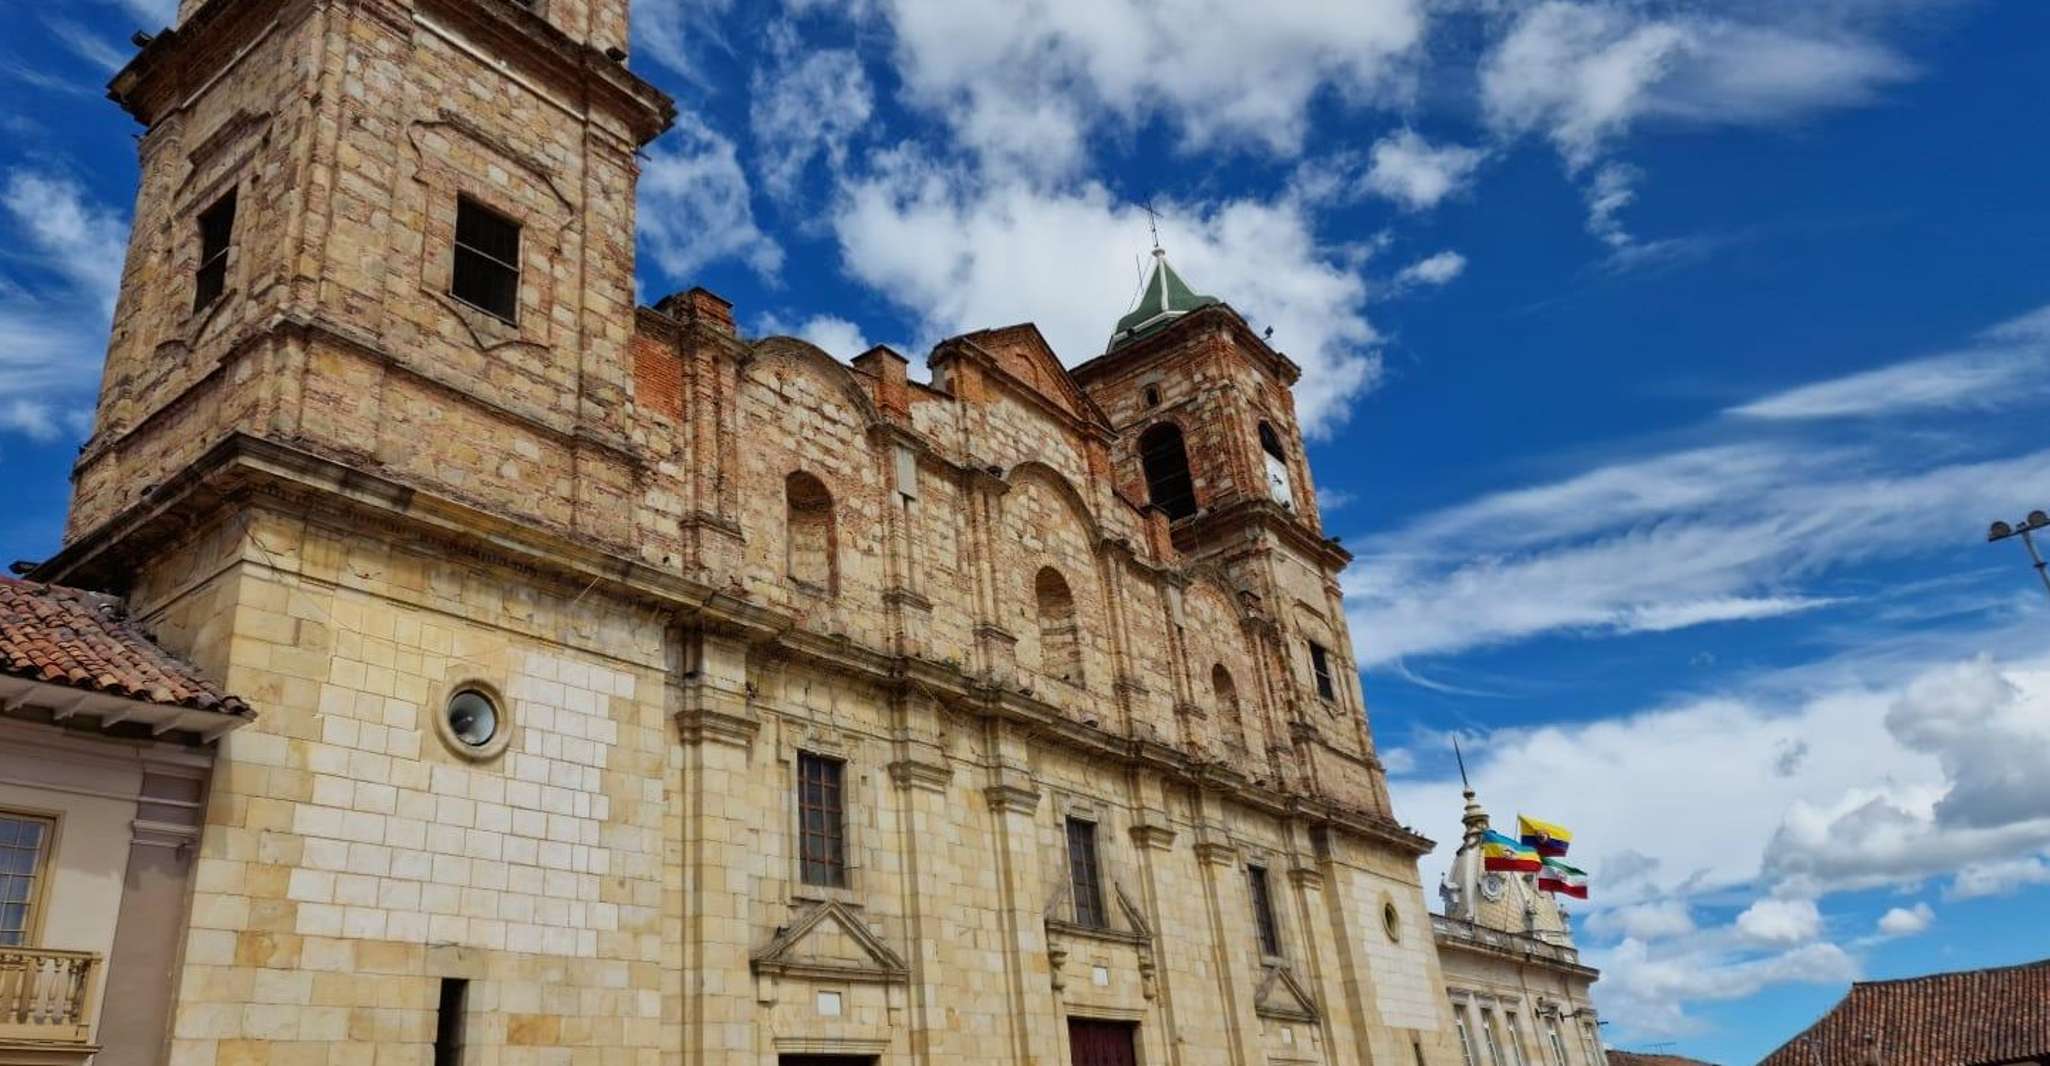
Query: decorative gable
x: 831, y: 941
x: 1281, y: 996
x: 1022, y: 354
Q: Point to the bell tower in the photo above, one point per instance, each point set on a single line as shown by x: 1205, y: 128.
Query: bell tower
x: 365, y: 226
x: 1208, y: 438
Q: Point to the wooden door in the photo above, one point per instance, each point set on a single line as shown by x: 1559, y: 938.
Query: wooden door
x: 1102, y: 1043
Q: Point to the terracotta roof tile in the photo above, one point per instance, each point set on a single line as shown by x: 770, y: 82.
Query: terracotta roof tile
x: 1970, y: 1018
x: 1633, y: 1058
x: 66, y: 636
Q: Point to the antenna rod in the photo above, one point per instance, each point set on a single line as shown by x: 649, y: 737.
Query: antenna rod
x: 1463, y: 783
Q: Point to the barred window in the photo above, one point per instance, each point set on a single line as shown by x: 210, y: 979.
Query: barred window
x: 487, y: 266
x: 216, y: 233
x: 1263, y: 913
x: 24, y: 846
x: 1084, y: 874
x: 822, y: 818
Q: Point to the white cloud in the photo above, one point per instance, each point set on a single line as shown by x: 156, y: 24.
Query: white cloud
x: 1906, y: 921
x: 962, y: 253
x: 675, y: 33
x: 88, y: 45
x: 1436, y: 269
x: 154, y: 13
x: 1646, y: 988
x: 808, y: 108
x: 1584, y: 73
x: 1781, y: 921
x: 1658, y: 920
x: 834, y: 335
x: 1029, y: 83
x: 1998, y: 877
x: 1410, y: 171
x: 1739, y: 529
x: 53, y: 326
x: 696, y: 207
x: 2007, y: 365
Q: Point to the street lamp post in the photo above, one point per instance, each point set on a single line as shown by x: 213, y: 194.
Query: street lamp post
x: 2025, y: 530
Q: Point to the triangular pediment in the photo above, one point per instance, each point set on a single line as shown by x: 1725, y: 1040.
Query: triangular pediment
x: 1282, y: 996
x: 830, y: 940
x: 1022, y: 354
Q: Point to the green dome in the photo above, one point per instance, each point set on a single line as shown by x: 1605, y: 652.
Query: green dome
x: 1167, y: 298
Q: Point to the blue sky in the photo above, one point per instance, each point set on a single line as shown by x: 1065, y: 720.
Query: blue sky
x: 1665, y: 360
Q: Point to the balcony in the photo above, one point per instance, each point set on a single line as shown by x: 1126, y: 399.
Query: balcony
x: 46, y: 998
x: 1453, y: 931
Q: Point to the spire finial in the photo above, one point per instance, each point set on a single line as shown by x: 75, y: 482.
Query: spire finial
x: 1464, y: 785
x: 1153, y: 223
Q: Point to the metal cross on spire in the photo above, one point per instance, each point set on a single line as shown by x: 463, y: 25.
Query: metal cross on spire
x: 1153, y: 223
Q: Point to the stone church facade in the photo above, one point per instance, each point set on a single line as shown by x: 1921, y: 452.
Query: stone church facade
x: 631, y: 691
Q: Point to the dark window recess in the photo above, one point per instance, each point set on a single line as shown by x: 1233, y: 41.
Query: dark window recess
x: 1085, y: 876
x: 448, y: 1022
x: 1320, y: 665
x: 216, y: 234
x: 1152, y: 396
x: 487, y: 267
x: 1263, y: 913
x: 1168, y: 484
x: 822, y: 818
x: 1270, y: 442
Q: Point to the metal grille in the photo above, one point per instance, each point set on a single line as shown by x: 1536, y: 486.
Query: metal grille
x: 487, y: 266
x: 822, y: 821
x: 1084, y: 874
x: 23, y: 841
x: 1263, y: 913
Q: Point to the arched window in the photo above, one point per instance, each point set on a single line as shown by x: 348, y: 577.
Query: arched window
x: 1229, y: 721
x: 1278, y: 487
x: 813, y: 562
x: 1060, y: 634
x: 1168, y: 485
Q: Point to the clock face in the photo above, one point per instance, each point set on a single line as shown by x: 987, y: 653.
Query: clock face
x: 1493, y: 885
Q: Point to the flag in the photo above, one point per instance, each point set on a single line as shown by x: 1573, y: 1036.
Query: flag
x: 1550, y: 840
x: 1499, y: 852
x: 1558, y: 877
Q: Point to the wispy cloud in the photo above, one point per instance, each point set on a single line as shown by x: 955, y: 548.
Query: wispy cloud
x: 697, y: 207
x: 2009, y: 364
x: 56, y: 297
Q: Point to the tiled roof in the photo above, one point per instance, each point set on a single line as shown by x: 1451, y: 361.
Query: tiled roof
x: 65, y: 636
x: 1632, y: 1058
x: 1972, y: 1018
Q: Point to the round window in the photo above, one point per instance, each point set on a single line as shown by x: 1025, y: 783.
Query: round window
x: 1392, y: 921
x: 473, y: 718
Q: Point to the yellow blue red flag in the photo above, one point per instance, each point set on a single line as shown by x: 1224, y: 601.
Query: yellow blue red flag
x: 1550, y: 841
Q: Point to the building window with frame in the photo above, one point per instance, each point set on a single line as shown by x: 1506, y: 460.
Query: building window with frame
x: 1558, y: 1045
x: 487, y: 260
x: 24, y: 850
x: 216, y: 236
x: 1263, y: 912
x: 1169, y: 485
x: 1085, y: 874
x: 1465, y: 1036
x: 1488, y: 1035
x: 822, y: 821
x: 1515, y: 1032
x: 1320, y: 669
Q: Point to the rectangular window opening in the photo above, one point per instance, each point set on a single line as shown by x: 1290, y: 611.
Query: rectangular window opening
x: 1263, y: 913
x: 487, y: 260
x: 216, y: 233
x: 822, y: 821
x: 24, y: 848
x: 448, y: 1022
x: 1320, y: 665
x: 1085, y: 876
